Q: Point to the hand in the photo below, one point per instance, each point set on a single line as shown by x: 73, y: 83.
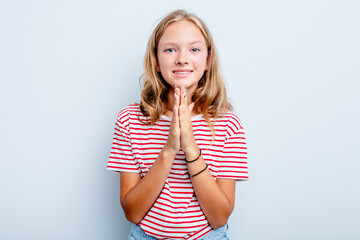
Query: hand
x: 181, y: 133
x: 187, y: 140
x: 173, y: 142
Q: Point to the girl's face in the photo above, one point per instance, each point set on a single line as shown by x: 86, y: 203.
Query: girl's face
x: 182, y: 55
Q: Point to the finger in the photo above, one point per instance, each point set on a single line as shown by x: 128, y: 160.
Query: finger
x: 176, y: 93
x: 177, y: 90
x: 185, y: 96
x: 174, y: 123
x: 180, y: 95
x: 182, y: 103
x: 177, y: 98
x: 175, y: 116
x: 184, y: 115
x: 183, y: 99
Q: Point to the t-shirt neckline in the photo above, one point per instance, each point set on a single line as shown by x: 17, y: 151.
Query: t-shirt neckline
x: 192, y: 118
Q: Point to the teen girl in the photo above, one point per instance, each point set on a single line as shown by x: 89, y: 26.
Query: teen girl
x: 180, y: 150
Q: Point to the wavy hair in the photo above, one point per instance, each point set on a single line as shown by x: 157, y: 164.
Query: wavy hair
x: 209, y: 98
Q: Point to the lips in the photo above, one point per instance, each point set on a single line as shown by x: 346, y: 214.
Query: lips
x: 182, y: 73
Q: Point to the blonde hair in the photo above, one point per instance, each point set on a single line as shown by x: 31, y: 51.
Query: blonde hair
x: 209, y: 98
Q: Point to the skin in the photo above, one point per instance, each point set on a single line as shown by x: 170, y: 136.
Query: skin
x: 216, y: 197
x: 182, y: 47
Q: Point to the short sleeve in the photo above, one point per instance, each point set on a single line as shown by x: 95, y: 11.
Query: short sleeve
x: 121, y: 156
x: 233, y: 163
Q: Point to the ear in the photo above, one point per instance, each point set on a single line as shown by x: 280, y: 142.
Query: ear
x: 157, y: 67
x: 207, y: 61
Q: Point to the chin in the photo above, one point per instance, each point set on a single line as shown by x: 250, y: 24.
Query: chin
x: 184, y: 82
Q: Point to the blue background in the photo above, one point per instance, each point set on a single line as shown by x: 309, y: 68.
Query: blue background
x: 292, y: 72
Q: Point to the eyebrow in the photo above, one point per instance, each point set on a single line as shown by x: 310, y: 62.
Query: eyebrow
x: 172, y: 43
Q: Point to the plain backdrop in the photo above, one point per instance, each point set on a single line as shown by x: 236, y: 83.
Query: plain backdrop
x: 292, y: 73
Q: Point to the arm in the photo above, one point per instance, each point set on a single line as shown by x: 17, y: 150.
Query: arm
x: 216, y: 198
x: 137, y: 194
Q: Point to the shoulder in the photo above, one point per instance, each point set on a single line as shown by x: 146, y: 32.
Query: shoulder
x: 232, y: 119
x: 233, y: 123
x: 128, y: 112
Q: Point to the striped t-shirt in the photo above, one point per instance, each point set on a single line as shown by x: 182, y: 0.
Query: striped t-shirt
x: 176, y: 213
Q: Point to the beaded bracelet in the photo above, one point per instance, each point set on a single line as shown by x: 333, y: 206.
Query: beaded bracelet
x: 194, y: 159
x: 200, y: 171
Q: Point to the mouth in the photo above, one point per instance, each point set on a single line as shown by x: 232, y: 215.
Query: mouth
x: 182, y: 73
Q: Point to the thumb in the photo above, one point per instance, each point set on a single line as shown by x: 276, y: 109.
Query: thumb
x: 175, y: 116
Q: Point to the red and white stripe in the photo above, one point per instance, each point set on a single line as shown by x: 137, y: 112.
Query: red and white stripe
x: 176, y: 214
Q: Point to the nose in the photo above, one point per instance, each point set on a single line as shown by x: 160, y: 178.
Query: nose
x: 181, y: 58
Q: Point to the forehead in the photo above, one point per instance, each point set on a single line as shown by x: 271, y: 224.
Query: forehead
x: 182, y: 32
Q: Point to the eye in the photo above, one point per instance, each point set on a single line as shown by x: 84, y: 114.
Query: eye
x: 195, y: 50
x: 169, y: 50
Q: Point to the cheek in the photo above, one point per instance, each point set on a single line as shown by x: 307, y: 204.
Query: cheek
x: 201, y: 62
x: 164, y: 61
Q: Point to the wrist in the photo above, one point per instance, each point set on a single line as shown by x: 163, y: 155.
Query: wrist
x: 169, y: 152
x: 194, y: 160
x: 192, y: 152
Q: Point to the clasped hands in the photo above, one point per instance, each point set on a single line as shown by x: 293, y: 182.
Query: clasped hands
x: 181, y: 133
